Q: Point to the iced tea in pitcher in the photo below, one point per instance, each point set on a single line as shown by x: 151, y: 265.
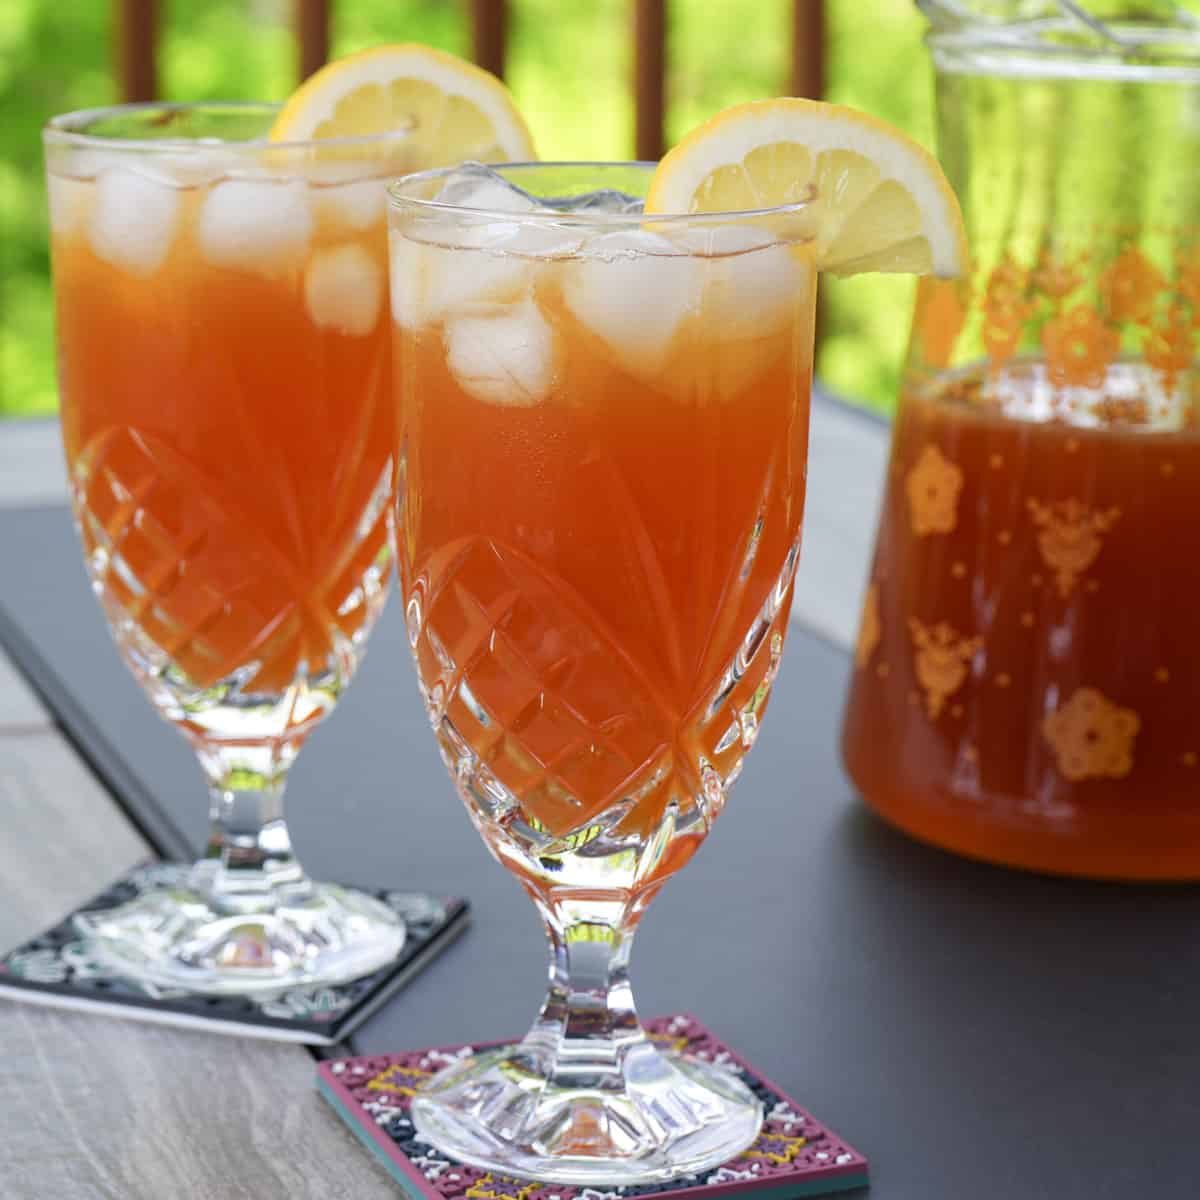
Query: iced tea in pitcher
x: 1026, y: 667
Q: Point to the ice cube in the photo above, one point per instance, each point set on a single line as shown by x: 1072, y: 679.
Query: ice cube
x: 343, y: 289
x: 407, y: 275
x: 754, y: 284
x: 492, y: 263
x: 633, y: 288
x: 67, y: 201
x: 194, y: 167
x: 475, y: 185
x: 85, y: 164
x: 604, y: 200
x: 458, y: 278
x: 133, y: 220
x: 495, y: 264
x: 534, y: 239
x: 502, y: 354
x: 256, y: 225
x: 352, y: 206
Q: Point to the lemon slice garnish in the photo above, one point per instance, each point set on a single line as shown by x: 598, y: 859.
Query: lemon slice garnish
x: 455, y: 110
x: 876, y: 200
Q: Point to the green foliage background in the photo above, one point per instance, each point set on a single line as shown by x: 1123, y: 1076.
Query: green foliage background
x: 569, y: 67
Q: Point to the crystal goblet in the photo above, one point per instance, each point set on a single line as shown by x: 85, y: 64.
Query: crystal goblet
x: 224, y: 369
x: 603, y: 429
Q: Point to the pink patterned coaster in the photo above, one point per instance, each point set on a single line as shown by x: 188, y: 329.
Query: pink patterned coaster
x: 794, y: 1155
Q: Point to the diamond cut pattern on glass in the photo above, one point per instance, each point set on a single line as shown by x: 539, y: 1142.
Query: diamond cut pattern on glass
x: 503, y: 670
x: 203, y: 605
x: 611, y: 759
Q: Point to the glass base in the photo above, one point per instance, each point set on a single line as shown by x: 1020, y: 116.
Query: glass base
x: 175, y: 938
x: 668, y: 1115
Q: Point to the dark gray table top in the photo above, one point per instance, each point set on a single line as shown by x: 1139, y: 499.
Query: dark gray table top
x: 977, y: 1033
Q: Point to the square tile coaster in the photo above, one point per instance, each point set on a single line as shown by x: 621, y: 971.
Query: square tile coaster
x: 55, y: 969
x: 794, y: 1155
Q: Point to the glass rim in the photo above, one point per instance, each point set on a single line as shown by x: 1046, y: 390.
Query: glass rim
x: 61, y: 130
x: 398, y: 201
x: 1028, y: 50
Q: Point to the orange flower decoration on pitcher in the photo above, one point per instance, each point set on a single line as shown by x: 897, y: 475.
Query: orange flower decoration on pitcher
x: 942, y: 315
x: 1069, y: 540
x: 1005, y: 310
x: 870, y: 629
x: 1079, y: 348
x: 941, y: 662
x: 1002, y: 331
x: 1188, y: 266
x: 933, y: 486
x: 1130, y: 286
x: 1056, y: 278
x: 1092, y: 737
x: 1006, y: 284
x: 1168, y: 346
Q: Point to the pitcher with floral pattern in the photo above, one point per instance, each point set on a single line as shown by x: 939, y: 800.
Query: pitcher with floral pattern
x: 1026, y: 682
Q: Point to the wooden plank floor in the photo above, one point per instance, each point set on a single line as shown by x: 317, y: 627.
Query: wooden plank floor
x: 92, y: 1107
x: 95, y: 1107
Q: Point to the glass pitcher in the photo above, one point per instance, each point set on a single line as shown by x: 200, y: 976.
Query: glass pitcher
x: 1027, y: 673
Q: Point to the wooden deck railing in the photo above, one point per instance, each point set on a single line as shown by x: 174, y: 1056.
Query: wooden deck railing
x: 312, y: 35
x: 136, y: 22
x: 135, y: 43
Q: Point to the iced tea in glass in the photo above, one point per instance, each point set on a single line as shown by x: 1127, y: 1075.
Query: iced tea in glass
x: 603, y: 430
x: 224, y: 363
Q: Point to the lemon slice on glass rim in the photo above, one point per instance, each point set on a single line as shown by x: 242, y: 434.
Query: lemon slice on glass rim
x: 877, y: 201
x: 456, y: 110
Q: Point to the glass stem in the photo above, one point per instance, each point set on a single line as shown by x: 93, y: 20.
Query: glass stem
x: 248, y: 864
x: 588, y: 1026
